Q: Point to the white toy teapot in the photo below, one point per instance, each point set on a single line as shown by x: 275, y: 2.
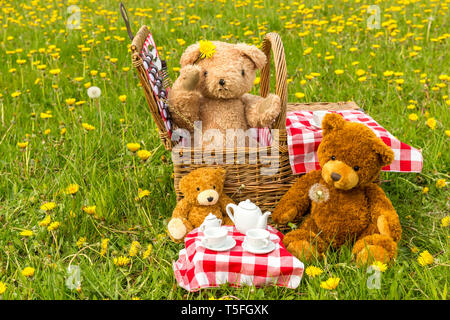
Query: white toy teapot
x: 210, y: 221
x: 247, y: 216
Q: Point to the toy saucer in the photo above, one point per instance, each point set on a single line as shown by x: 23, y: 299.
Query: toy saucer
x: 269, y: 248
x: 227, y: 245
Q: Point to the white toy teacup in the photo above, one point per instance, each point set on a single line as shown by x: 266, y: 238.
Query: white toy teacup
x: 257, y: 238
x: 215, y: 237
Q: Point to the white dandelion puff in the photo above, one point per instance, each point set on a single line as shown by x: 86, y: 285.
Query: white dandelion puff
x: 319, y: 193
x: 94, y: 92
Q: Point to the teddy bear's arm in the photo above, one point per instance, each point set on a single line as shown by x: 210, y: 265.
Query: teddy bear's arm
x: 383, y: 213
x: 296, y: 201
x: 261, y: 112
x: 184, y: 100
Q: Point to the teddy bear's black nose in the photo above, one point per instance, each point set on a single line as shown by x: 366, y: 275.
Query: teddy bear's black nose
x: 210, y: 199
x: 222, y: 82
x: 335, y: 176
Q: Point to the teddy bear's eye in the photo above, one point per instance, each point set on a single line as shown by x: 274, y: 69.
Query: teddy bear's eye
x: 356, y: 168
x: 205, y: 73
x: 198, y: 189
x: 214, y: 187
x: 333, y: 158
x: 243, y: 72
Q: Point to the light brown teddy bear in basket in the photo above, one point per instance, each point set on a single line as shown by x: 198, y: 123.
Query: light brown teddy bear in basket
x: 213, y: 87
x: 203, y: 194
x: 343, y: 202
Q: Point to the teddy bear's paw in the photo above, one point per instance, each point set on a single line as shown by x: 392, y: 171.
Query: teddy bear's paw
x: 372, y: 253
x: 190, y: 76
x: 176, y: 228
x: 269, y: 109
x: 285, y: 216
x: 302, y: 249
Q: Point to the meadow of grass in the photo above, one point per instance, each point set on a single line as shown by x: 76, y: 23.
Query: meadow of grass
x: 61, y: 149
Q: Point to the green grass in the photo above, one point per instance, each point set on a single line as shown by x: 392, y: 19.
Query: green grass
x: 109, y: 175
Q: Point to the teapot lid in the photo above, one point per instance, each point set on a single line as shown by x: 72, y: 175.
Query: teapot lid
x: 247, y: 205
x: 210, y: 216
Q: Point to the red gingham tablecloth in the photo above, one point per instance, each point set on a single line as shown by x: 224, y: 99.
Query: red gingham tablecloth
x: 198, y: 267
x: 304, y: 135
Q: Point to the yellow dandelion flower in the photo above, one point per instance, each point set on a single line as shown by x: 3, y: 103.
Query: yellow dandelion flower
x: 46, y: 221
x: 380, y: 266
x: 425, y: 190
x: 431, y: 123
x: 147, y: 252
x: 134, y: 248
x: 330, y: 284
x: 257, y: 81
x: 299, y: 95
x: 2, y: 288
x: 87, y: 126
x: 413, y: 117
x: 440, y: 183
x: 28, y: 272
x: 133, y: 147
x: 81, y: 242
x: 123, y: 98
x: 55, y: 71
x: 339, y: 71
x: 22, y: 145
x: 144, y: 154
x: 104, y: 246
x: 142, y: 194
x: 425, y: 258
x: 48, y: 206
x: 307, y: 51
x: 27, y: 233
x: 313, y: 271
x: 53, y: 226
x: 16, y: 94
x: 72, y: 188
x: 360, y: 72
x: 445, y: 221
x: 90, y: 209
x: 121, y: 261
x: 207, y: 49
x: 45, y: 115
x: 70, y: 101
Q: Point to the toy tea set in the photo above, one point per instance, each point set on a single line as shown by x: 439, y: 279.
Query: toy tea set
x: 248, y: 219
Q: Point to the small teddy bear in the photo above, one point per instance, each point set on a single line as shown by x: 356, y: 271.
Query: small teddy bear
x: 202, y: 194
x: 213, y: 88
x: 342, y: 199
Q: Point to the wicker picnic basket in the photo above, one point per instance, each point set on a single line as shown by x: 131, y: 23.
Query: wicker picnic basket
x: 244, y: 180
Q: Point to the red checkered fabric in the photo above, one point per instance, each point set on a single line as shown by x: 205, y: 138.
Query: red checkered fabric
x: 198, y: 267
x: 304, y: 135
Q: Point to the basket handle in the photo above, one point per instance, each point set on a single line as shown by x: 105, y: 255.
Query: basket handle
x: 272, y: 43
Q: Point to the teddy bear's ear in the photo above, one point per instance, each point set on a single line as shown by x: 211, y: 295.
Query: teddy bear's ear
x: 253, y: 53
x: 185, y: 182
x: 190, y: 54
x: 222, y: 174
x: 332, y: 121
x: 385, y: 154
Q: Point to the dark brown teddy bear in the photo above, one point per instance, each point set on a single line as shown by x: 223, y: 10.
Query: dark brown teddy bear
x: 342, y: 199
x: 203, y: 194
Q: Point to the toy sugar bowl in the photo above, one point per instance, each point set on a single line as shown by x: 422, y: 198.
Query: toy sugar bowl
x: 210, y: 221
